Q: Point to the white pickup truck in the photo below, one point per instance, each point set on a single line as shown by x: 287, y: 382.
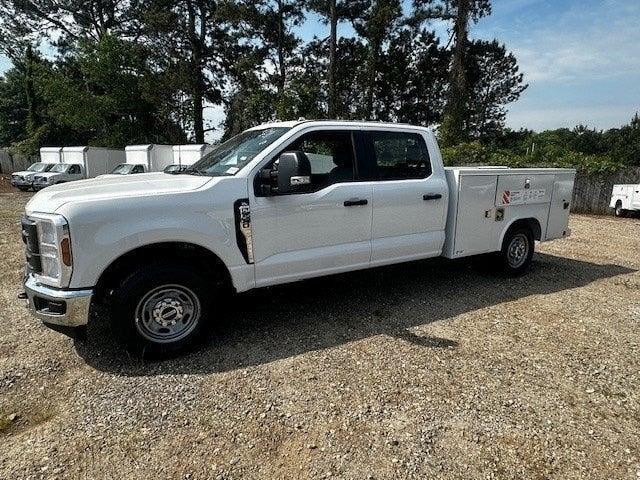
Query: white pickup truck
x: 278, y: 203
x: 625, y: 199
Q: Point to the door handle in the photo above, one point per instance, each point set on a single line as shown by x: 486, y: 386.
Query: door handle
x: 355, y: 202
x: 432, y: 196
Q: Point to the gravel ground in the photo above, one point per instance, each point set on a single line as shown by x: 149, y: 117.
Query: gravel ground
x: 427, y: 370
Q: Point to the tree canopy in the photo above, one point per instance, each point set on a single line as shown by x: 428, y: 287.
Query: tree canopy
x: 118, y: 72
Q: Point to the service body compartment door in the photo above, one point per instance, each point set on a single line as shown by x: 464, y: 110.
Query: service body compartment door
x: 558, y: 223
x: 476, y: 214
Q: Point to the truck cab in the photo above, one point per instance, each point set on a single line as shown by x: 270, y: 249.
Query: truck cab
x: 128, y: 169
x: 58, y: 173
x: 277, y: 203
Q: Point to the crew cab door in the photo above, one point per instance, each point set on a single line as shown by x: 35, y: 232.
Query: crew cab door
x: 324, y: 231
x: 410, y: 196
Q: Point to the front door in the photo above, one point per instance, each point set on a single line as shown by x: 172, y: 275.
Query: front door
x: 409, y: 198
x: 327, y: 230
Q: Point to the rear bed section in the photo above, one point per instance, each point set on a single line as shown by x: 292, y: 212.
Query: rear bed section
x: 485, y: 201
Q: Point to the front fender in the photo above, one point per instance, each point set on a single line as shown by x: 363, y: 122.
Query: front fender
x: 104, y: 230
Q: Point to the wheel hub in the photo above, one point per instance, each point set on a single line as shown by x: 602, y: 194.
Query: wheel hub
x: 168, y: 311
x: 518, y: 251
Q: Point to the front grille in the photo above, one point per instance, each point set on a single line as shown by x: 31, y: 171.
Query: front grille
x: 30, y: 239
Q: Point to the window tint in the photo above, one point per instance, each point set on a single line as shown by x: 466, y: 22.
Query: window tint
x: 74, y: 169
x: 138, y: 169
x: 400, y: 155
x: 331, y: 156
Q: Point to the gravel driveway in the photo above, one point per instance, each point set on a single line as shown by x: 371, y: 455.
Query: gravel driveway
x: 426, y: 370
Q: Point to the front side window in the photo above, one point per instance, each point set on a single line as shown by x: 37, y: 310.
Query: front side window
x: 59, y: 168
x: 122, y: 169
x: 400, y: 155
x: 231, y: 156
x: 74, y: 169
x: 138, y: 169
x: 331, y: 155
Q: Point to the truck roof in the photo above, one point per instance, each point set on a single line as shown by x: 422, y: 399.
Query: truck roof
x: 336, y: 123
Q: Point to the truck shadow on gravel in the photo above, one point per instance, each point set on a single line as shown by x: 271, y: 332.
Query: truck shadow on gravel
x: 265, y: 325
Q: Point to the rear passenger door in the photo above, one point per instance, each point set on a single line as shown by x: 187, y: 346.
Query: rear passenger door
x: 409, y: 198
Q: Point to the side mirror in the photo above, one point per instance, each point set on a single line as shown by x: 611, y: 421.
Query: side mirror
x: 294, y: 173
x: 291, y: 173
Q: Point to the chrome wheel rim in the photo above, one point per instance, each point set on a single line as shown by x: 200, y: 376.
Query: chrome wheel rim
x: 167, y: 313
x: 518, y: 250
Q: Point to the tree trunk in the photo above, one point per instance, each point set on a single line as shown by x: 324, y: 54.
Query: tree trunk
x: 282, y: 77
x: 374, y: 51
x: 455, y: 112
x: 197, y: 80
x: 32, y: 110
x: 333, y: 40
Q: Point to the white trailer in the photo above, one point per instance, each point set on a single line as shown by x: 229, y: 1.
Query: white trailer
x: 93, y: 160
x: 625, y: 199
x: 185, y: 155
x: 152, y: 158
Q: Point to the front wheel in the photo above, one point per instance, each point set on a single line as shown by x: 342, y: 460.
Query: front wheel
x: 619, y: 211
x: 517, y: 251
x: 162, y: 309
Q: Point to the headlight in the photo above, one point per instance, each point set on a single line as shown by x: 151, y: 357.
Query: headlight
x: 55, y: 249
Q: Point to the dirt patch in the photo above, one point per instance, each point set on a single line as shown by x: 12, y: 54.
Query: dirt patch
x: 426, y: 370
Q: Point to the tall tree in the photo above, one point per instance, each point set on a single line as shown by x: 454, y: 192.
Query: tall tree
x: 494, y: 81
x: 332, y: 12
x: 460, y: 13
x: 375, y: 26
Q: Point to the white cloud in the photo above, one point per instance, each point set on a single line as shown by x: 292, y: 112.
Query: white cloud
x: 582, y: 42
x: 599, y: 117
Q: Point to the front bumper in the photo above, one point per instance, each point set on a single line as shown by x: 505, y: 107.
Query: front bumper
x: 69, y: 308
x: 21, y: 183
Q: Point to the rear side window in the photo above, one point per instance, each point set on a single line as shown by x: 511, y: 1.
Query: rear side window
x: 400, y: 155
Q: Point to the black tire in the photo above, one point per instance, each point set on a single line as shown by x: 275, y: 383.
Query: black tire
x: 517, y: 251
x: 619, y: 211
x: 154, y: 302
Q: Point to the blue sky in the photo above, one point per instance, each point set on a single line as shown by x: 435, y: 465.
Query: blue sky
x: 581, y: 59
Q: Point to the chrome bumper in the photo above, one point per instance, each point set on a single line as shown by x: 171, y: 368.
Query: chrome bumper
x: 69, y: 308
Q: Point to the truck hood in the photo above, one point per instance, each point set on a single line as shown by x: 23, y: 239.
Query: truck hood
x: 52, y: 198
x: 24, y: 173
x: 47, y: 174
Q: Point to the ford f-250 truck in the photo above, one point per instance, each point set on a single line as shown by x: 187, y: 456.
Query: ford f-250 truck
x: 278, y: 203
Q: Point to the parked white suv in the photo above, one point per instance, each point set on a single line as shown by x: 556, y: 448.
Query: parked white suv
x: 277, y: 203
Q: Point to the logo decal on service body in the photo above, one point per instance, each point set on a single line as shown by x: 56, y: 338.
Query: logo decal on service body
x: 521, y: 197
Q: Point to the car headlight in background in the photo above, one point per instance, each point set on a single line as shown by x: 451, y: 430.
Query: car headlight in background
x: 55, y: 249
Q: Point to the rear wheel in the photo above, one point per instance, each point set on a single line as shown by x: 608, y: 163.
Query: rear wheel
x: 162, y: 309
x: 517, y: 251
x: 619, y: 211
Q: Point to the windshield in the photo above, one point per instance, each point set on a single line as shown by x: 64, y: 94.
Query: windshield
x: 229, y: 157
x: 40, y: 167
x: 123, y: 169
x: 59, y: 168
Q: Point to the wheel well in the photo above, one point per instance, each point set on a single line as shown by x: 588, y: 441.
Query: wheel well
x: 532, y: 223
x: 618, y: 202
x: 199, y: 257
